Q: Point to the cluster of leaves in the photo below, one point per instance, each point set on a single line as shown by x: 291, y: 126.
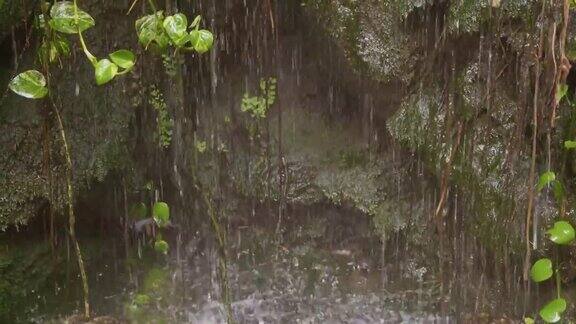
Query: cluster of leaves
x: 258, y: 106
x: 66, y: 18
x: 159, y: 32
x: 161, y: 216
x: 562, y: 233
x: 54, y: 45
x: 163, y: 120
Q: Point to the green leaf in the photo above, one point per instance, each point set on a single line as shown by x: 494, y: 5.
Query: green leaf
x: 123, y: 58
x: 562, y: 233
x: 139, y: 211
x: 66, y: 19
x: 30, y: 84
x: 175, y: 27
x: 552, y: 312
x: 161, y: 213
x: 541, y: 270
x: 570, y: 144
x: 202, y: 40
x: 161, y: 246
x: 561, y: 92
x: 105, y: 71
x: 545, y: 179
x: 150, y: 30
x: 49, y: 52
x: 528, y: 320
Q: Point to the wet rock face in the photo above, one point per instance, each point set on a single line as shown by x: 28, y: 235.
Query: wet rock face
x: 454, y: 59
x: 386, y: 38
x: 96, y: 119
x: 332, y: 154
x: 12, y: 12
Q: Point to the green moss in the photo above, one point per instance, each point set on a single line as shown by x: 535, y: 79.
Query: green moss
x: 479, y: 170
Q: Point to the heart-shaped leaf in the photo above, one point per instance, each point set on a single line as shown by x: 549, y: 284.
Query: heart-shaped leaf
x: 123, y: 58
x: 552, y: 312
x: 161, y: 246
x: 541, y: 270
x: 66, y: 18
x: 150, y: 30
x: 562, y: 233
x: 105, y: 71
x: 175, y: 26
x: 545, y: 179
x: 161, y: 213
x: 30, y: 84
x: 202, y: 40
x: 139, y: 211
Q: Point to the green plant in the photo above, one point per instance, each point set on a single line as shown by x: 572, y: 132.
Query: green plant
x: 200, y: 145
x: 67, y: 18
x: 257, y: 106
x: 155, y: 31
x: 561, y: 233
x: 163, y: 120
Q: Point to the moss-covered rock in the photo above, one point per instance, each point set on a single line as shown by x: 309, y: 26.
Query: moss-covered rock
x: 96, y: 120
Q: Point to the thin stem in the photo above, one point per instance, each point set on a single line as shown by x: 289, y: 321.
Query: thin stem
x: 531, y: 179
x: 70, y: 189
x: 71, y: 216
x: 89, y: 55
x: 131, y: 7
x: 558, y: 285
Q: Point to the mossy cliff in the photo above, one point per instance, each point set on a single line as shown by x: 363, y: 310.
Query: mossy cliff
x: 456, y: 77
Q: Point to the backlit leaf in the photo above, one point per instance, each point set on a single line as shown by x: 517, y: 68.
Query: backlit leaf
x: 30, y: 84
x: 161, y: 246
x: 545, y: 179
x: 175, y: 26
x: 161, y: 213
x: 123, y: 58
x: 552, y: 312
x: 105, y: 71
x: 150, y: 30
x: 202, y: 40
x: 66, y: 19
x: 562, y: 233
x: 541, y: 270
